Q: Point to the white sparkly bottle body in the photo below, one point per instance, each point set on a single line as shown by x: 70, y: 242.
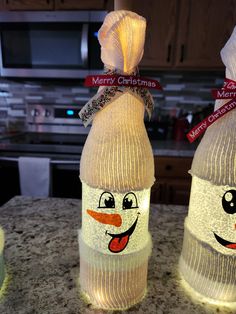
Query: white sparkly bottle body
x: 206, y: 265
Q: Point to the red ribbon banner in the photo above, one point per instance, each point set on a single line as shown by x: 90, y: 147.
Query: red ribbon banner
x: 228, y: 90
x: 224, y: 93
x: 121, y: 80
x: 229, y: 84
x: 204, y: 124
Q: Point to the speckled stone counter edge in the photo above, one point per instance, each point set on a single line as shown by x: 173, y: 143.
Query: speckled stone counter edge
x: 2, y: 268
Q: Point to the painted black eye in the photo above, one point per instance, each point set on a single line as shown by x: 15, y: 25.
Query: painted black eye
x: 106, y: 200
x: 229, y: 202
x: 130, y: 201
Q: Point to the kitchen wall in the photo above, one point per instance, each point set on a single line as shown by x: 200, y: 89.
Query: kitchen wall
x: 184, y: 92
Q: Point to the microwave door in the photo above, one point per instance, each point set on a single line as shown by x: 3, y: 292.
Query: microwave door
x: 51, y: 50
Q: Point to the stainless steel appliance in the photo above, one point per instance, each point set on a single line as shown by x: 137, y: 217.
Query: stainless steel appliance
x: 53, y: 131
x: 50, y: 44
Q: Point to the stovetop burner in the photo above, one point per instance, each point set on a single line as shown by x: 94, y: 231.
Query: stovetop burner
x: 46, y: 138
x: 49, y: 143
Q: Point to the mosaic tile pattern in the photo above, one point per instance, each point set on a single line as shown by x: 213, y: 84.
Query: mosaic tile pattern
x: 183, y: 92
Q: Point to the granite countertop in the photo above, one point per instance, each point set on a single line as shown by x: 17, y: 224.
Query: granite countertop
x: 42, y: 259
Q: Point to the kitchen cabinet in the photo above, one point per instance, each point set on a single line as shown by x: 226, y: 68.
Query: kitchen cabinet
x: 2, y: 5
x: 64, y: 183
x: 173, y: 182
x: 203, y: 29
x: 17, y: 5
x: 32, y: 5
x: 161, y: 16
x: 79, y: 4
x: 186, y: 33
x: 9, y: 182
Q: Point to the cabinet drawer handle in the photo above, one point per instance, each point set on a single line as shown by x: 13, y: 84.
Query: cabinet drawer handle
x: 168, y: 167
x: 182, y: 53
x: 168, y: 53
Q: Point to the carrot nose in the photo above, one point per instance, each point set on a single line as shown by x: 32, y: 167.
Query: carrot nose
x: 109, y: 219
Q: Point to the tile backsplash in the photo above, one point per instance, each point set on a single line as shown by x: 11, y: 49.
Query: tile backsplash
x: 182, y: 92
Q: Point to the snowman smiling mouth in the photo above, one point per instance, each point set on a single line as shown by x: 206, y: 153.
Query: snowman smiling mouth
x: 225, y: 243
x: 119, y: 241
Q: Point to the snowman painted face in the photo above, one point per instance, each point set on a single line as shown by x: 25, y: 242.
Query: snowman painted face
x: 212, y: 215
x: 229, y: 206
x: 115, y: 222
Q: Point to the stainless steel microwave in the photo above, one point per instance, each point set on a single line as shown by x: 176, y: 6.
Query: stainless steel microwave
x: 50, y: 44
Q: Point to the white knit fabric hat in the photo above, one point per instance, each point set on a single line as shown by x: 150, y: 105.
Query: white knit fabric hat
x: 117, y: 154
x: 122, y: 37
x: 111, y: 281
x: 206, y: 270
x: 215, y: 157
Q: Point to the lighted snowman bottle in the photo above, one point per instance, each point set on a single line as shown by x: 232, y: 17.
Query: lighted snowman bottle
x: 117, y: 172
x: 208, y: 258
